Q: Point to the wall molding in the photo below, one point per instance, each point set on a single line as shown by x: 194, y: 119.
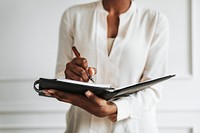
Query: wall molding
x: 194, y: 36
x: 193, y: 43
x: 7, y: 80
x: 188, y: 122
x: 177, y: 107
x: 33, y: 126
x: 193, y: 126
x: 9, y: 107
x: 19, y: 107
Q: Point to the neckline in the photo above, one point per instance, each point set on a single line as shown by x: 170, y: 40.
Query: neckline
x: 130, y: 11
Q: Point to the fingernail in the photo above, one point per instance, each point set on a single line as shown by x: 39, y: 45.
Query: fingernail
x: 91, y: 71
x: 46, y: 92
x: 51, y: 91
x: 88, y: 93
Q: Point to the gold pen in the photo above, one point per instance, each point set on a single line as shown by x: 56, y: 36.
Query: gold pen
x: 77, y: 54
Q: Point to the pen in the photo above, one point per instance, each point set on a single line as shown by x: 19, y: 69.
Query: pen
x: 77, y: 54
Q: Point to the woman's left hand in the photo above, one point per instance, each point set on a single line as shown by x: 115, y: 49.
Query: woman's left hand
x: 90, y: 102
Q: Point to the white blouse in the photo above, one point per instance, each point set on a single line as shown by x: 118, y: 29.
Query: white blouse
x: 138, y: 52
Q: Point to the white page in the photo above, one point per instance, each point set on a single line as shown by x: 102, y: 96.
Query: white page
x: 84, y: 83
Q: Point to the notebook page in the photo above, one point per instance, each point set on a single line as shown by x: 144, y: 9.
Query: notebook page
x: 85, y: 84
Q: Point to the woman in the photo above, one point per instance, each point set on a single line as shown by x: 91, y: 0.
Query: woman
x: 126, y: 44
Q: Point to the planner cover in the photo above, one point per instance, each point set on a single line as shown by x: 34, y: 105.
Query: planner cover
x: 104, y: 91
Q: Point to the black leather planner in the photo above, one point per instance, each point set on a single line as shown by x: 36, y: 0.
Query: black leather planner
x: 104, y: 91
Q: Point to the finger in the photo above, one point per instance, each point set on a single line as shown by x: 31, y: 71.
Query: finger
x: 61, y: 96
x: 69, y: 98
x: 92, y: 71
x: 113, y: 117
x: 94, y: 99
x: 77, y: 71
x: 71, y: 75
x: 45, y: 91
x: 82, y: 62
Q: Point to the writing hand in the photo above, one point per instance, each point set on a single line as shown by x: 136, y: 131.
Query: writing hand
x: 90, y: 102
x: 78, y: 70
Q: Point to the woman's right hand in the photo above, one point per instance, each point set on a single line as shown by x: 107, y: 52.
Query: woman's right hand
x: 78, y: 70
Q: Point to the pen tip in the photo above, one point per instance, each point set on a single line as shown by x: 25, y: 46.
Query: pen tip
x: 92, y: 80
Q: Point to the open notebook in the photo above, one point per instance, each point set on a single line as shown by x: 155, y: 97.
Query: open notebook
x: 104, y: 91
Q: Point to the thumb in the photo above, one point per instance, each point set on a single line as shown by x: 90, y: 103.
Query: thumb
x: 95, y: 99
x: 92, y: 71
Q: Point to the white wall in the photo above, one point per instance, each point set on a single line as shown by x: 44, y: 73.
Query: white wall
x: 29, y: 38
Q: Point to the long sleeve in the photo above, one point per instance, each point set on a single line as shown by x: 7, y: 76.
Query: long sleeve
x: 143, y: 101
x: 65, y: 44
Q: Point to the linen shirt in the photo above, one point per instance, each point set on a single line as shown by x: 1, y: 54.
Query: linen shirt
x: 139, y: 52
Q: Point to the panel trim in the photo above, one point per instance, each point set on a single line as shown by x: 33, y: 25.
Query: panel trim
x: 194, y: 36
x: 193, y: 43
x: 19, y: 107
x: 33, y: 126
x: 10, y: 107
x: 194, y: 127
x: 186, y: 107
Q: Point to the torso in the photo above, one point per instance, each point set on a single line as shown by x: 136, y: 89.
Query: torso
x: 129, y: 52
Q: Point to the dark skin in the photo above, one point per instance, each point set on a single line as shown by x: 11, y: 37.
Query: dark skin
x: 77, y: 69
x: 115, y: 8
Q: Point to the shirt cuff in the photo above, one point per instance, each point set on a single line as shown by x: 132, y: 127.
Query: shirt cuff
x: 123, y: 110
